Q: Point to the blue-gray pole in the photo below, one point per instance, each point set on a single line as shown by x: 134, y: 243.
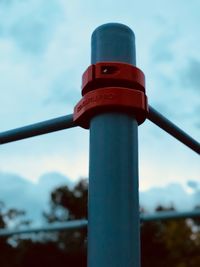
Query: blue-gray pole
x: 113, y: 227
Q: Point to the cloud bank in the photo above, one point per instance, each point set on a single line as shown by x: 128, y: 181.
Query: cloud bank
x: 34, y: 198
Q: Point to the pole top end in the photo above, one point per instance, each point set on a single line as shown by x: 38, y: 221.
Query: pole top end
x: 113, y: 42
x: 114, y: 26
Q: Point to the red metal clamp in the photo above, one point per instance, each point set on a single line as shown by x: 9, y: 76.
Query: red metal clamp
x: 111, y: 86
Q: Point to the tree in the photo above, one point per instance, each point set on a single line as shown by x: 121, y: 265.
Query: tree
x: 15, y: 217
x: 169, y: 243
x: 68, y: 205
x: 54, y: 249
x: 173, y: 243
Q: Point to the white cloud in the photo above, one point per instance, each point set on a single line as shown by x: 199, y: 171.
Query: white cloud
x: 33, y: 198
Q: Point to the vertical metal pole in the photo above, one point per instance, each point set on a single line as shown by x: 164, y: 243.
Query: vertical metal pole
x: 113, y: 229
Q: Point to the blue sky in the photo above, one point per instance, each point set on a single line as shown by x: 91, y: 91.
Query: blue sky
x: 45, y: 48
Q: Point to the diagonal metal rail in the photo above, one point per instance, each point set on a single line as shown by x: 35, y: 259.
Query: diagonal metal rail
x: 81, y: 224
x: 40, y: 128
x: 169, y: 215
x: 168, y: 126
x: 66, y: 122
x: 70, y: 225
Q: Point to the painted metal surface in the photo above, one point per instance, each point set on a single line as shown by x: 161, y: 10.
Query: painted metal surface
x: 57, y: 124
x: 80, y: 224
x: 69, y: 226
x: 66, y: 122
x: 113, y: 228
x: 173, y: 130
x: 169, y: 215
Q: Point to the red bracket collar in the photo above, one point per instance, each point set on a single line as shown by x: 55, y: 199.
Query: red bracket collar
x: 111, y: 86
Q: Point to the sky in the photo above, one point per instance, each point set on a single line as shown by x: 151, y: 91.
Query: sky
x: 33, y: 198
x: 45, y: 48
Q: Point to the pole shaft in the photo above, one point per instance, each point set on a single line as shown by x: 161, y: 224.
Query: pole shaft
x: 113, y: 226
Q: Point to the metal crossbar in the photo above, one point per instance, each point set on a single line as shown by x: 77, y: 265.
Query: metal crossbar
x: 173, y: 130
x: 66, y: 122
x: 169, y: 215
x: 40, y: 128
x: 71, y: 225
x: 81, y: 224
